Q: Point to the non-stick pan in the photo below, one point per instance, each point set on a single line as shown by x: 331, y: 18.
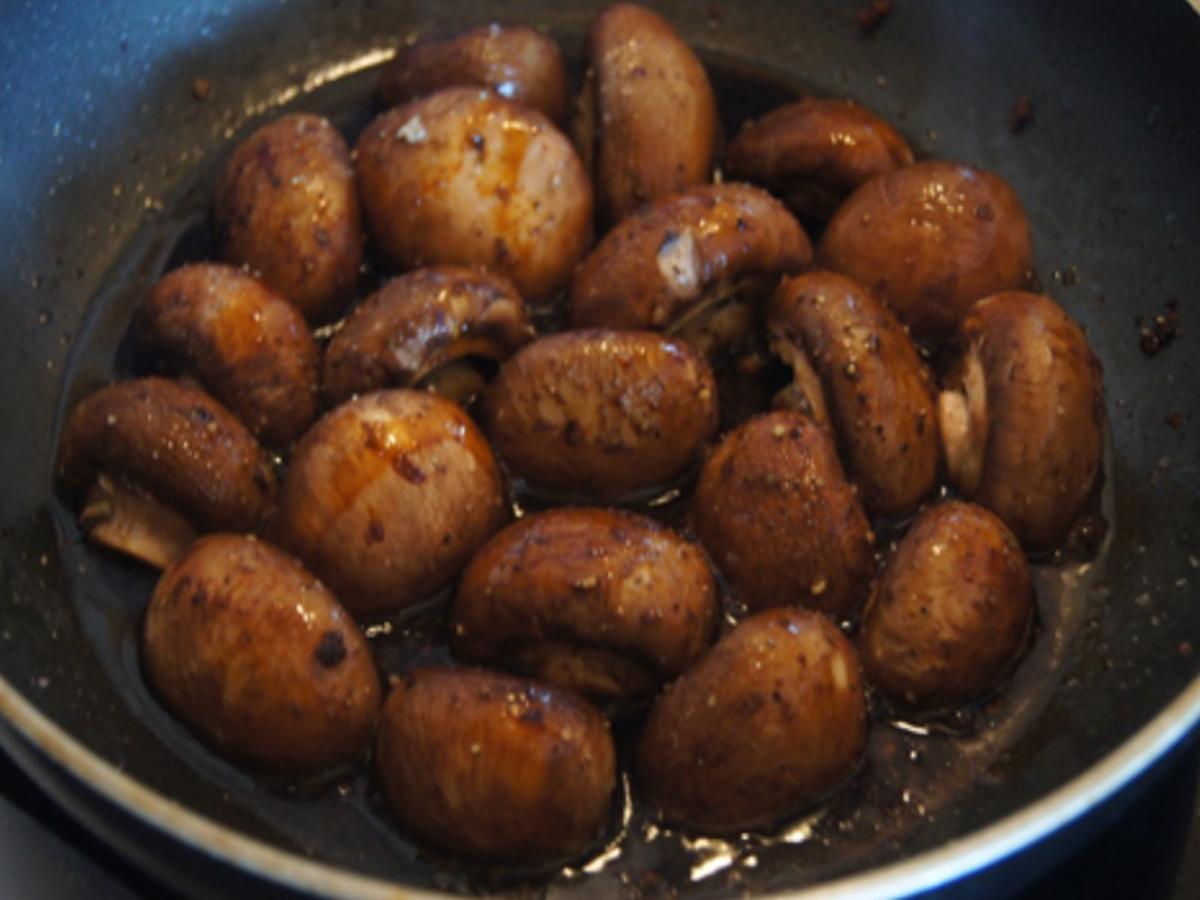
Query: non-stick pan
x: 113, y: 119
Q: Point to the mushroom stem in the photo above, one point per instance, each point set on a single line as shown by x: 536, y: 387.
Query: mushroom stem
x: 459, y: 380
x: 963, y: 425
x: 596, y: 671
x: 131, y: 522
x: 805, y: 393
x: 721, y: 319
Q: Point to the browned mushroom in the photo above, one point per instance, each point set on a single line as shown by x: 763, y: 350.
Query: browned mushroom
x: 678, y: 259
x: 601, y: 414
x: 427, y: 328
x: 605, y: 602
x: 258, y: 658
x: 246, y: 344
x: 774, y: 510
x: 814, y: 152
x: 388, y: 496
x: 951, y: 611
x: 646, y: 119
x: 1021, y: 416
x: 878, y: 393
x: 494, y: 767
x: 287, y: 206
x: 153, y: 462
x: 929, y: 240
x: 771, y: 720
x: 463, y: 176
x: 519, y: 64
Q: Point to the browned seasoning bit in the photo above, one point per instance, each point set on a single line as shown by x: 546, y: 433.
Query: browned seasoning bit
x: 331, y: 649
x: 201, y: 88
x: 1174, y: 420
x: 1021, y: 115
x: 1160, y: 331
x: 871, y: 16
x: 1185, y: 649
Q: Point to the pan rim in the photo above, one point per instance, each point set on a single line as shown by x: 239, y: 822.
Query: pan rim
x: 930, y: 869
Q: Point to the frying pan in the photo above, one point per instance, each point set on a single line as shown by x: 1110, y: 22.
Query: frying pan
x: 108, y: 146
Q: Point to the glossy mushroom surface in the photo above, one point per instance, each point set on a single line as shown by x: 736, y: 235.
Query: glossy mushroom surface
x: 418, y: 326
x: 870, y: 385
x: 646, y: 118
x: 929, y: 240
x: 1022, y: 416
x: 494, y: 767
x: 518, y: 63
x: 247, y: 345
x: 388, y: 496
x: 258, y: 658
x: 605, y: 602
x: 287, y: 206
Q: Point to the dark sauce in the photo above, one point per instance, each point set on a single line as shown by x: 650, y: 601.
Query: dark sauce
x: 913, y: 770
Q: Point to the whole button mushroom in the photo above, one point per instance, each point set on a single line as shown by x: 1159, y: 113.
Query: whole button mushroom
x: 774, y: 510
x: 646, y: 118
x: 152, y: 462
x: 429, y: 328
x: 771, y: 720
x: 930, y: 239
x: 287, y: 206
x: 388, y: 496
x: 1021, y: 416
x: 257, y: 658
x: 246, y: 344
x: 519, y: 64
x: 679, y: 258
x: 605, y: 602
x: 493, y: 767
x: 601, y: 414
x: 951, y: 612
x: 857, y: 367
x: 465, y: 177
x: 814, y: 152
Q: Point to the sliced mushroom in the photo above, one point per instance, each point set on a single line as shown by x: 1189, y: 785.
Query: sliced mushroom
x: 520, y: 64
x: 388, y: 496
x: 246, y: 344
x: 646, y: 119
x: 814, y: 152
x: 867, y: 372
x: 466, y: 177
x: 153, y: 462
x: 287, y: 206
x: 605, y: 602
x: 929, y: 240
x: 426, y: 328
x: 774, y: 510
x: 1021, y: 416
x: 673, y: 264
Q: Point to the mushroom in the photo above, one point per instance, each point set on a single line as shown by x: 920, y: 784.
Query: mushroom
x: 929, y: 240
x: 287, y: 207
x: 950, y: 613
x: 388, y: 496
x: 520, y: 64
x: 605, y: 602
x: 153, y: 462
x: 1021, y: 416
x: 675, y: 263
x: 242, y: 341
x: 857, y: 368
x: 771, y: 720
x: 814, y: 152
x: 258, y: 658
x: 777, y: 516
x: 646, y: 118
x: 466, y: 177
x: 493, y: 767
x: 428, y: 328
x: 601, y: 414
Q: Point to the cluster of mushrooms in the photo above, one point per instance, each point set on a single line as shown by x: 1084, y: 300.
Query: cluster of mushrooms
x: 511, y: 354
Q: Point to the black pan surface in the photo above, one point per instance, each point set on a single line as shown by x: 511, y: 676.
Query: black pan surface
x: 108, y: 155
